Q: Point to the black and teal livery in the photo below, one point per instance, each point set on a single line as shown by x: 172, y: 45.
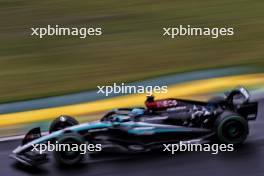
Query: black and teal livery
x: 222, y: 119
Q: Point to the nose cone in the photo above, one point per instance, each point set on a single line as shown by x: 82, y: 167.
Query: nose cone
x: 17, y: 150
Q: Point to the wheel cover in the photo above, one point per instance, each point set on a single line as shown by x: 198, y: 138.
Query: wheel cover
x: 232, y: 130
x: 69, y: 157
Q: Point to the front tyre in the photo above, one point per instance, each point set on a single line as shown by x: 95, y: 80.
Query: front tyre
x: 68, y: 156
x: 231, y: 128
x: 62, y: 122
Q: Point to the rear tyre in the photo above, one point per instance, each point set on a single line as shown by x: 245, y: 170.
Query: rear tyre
x: 231, y: 128
x: 62, y: 122
x: 69, y: 157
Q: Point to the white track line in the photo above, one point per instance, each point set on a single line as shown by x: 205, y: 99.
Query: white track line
x: 12, y: 138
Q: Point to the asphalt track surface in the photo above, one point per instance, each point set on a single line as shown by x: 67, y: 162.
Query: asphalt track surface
x: 247, y: 160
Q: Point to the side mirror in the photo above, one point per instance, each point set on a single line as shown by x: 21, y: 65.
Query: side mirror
x: 31, y: 135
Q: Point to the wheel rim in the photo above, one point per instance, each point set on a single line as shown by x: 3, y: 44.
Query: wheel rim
x: 70, y: 155
x: 233, y: 130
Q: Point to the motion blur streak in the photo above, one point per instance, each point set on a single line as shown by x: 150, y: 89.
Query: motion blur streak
x: 180, y: 90
x: 131, y: 48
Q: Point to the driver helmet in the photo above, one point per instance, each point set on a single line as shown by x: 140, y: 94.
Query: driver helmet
x: 138, y: 111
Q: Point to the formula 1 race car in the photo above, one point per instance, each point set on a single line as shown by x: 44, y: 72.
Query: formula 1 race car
x: 221, y: 119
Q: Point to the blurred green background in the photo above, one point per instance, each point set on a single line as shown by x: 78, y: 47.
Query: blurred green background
x: 132, y: 46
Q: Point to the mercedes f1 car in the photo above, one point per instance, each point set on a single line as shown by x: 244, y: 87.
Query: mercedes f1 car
x: 221, y: 119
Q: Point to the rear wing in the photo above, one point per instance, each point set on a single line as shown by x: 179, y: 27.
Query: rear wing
x: 249, y: 110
